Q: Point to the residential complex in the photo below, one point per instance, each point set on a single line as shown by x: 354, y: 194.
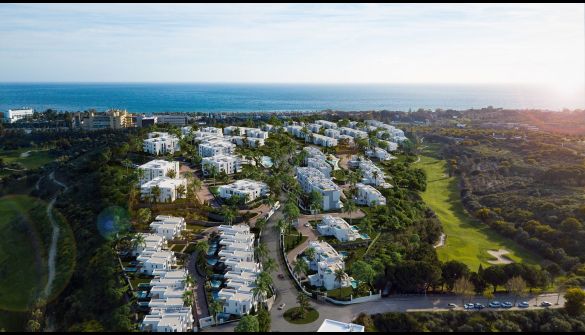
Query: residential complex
x: 372, y: 174
x: 216, y: 146
x: 327, y: 124
x: 245, y: 188
x: 168, y: 226
x: 338, y: 227
x: 312, y: 179
x: 332, y: 326
x: 379, y: 153
x: 112, y: 119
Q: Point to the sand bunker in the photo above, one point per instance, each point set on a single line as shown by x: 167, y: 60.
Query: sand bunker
x: 500, y: 256
x: 25, y: 154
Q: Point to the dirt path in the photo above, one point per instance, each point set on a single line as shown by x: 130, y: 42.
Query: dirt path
x: 441, y: 241
x: 54, y: 238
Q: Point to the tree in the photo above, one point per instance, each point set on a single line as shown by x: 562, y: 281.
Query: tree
x: 303, y: 304
x: 144, y: 215
x: 363, y: 272
x: 248, y: 324
x: 516, y: 286
x: 495, y: 276
x: 310, y: 253
x: 215, y: 307
x: 316, y: 202
x: 339, y: 276
x: 489, y: 295
x: 181, y: 191
x: 171, y: 174
x: 269, y: 265
x: 138, y: 240
x: 349, y: 208
x: 155, y: 193
x: 453, y: 270
x: 574, y: 301
x: 262, y: 251
x: 264, y: 320
x: 228, y: 214
x: 300, y: 267
x: 260, y: 224
x: 188, y: 297
x: 464, y: 288
x: 291, y: 211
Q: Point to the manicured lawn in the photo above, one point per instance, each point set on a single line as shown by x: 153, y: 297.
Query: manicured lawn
x: 340, y: 294
x: 177, y: 247
x: 36, y: 157
x: 468, y: 240
x: 291, y: 316
x: 291, y: 240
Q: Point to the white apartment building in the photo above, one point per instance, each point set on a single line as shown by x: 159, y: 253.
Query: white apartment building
x: 152, y: 243
x: 159, y: 143
x: 320, y: 165
x: 296, y: 131
x: 229, y: 164
x: 252, y: 142
x: 355, y: 133
x: 156, y: 261
x: 368, y: 195
x: 167, y: 186
x: 168, y: 226
x: 215, y: 147
x: 327, y: 261
x: 338, y: 227
x: 168, y: 320
x: 387, y: 145
x: 313, y: 152
x: 372, y: 175
x: 314, y: 127
x: 249, y: 132
x: 245, y: 188
x: 312, y: 179
x: 211, y: 130
x: 13, y: 115
x: 158, y: 168
x: 334, y: 133
x: 324, y: 141
x: 327, y: 124
x: 379, y: 153
x: 175, y: 120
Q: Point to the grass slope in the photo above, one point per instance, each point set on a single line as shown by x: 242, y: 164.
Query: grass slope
x: 467, y: 239
x: 35, y: 158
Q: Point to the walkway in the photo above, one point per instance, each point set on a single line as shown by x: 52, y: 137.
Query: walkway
x: 54, y: 238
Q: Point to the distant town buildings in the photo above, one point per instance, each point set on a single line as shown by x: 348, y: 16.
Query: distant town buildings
x: 13, y: 115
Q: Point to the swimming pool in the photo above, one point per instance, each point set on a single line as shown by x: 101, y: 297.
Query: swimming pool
x: 344, y: 254
x: 354, y: 283
x: 365, y: 236
x: 215, y: 283
x: 212, y: 261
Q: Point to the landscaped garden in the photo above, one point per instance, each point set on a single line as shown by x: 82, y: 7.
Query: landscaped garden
x: 294, y: 315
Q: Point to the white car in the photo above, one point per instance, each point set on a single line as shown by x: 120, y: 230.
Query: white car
x: 451, y: 305
x: 281, y: 306
x: 307, y: 224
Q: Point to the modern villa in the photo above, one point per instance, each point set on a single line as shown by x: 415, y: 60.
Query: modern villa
x: 158, y: 168
x: 368, y: 195
x: 338, y: 227
x: 312, y: 179
x: 245, y: 188
x: 159, y: 143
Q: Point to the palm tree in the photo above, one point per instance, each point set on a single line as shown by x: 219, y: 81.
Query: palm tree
x: 263, y: 286
x: 215, y: 307
x: 269, y: 265
x: 171, y: 174
x: 155, y: 193
x: 228, y: 214
x: 310, y: 253
x: 316, y: 202
x: 188, y: 297
x: 300, y: 267
x: 180, y: 191
x: 303, y: 304
x: 261, y: 224
x: 349, y: 208
x: 339, y: 276
x: 138, y: 241
x: 190, y: 281
x: 262, y: 251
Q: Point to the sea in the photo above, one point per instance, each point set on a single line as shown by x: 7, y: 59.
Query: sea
x: 150, y: 98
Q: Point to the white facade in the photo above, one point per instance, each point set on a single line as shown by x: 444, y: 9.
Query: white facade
x: 324, y: 141
x: 159, y: 143
x: 152, y: 243
x: 13, y: 115
x: 372, y: 174
x: 320, y: 165
x: 327, y: 261
x: 314, y: 127
x: 245, y: 188
x: 332, y: 133
x: 167, y: 186
x: 380, y: 154
x: 156, y: 261
x: 368, y: 195
x: 312, y: 179
x: 168, y: 320
x: 229, y: 164
x: 387, y: 145
x: 327, y: 124
x: 249, y: 132
x: 215, y: 147
x: 355, y: 133
x: 158, y: 168
x: 168, y: 226
x: 338, y: 227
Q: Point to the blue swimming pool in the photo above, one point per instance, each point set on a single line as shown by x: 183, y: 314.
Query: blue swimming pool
x: 212, y: 261
x: 354, y: 283
x: 215, y: 283
x: 365, y: 236
x: 215, y: 295
x: 344, y: 254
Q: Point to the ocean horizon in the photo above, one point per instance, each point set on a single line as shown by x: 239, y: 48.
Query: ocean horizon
x: 151, y: 98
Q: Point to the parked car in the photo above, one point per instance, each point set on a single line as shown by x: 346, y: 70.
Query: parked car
x: 507, y: 304
x: 479, y: 306
x: 469, y: 306
x: 451, y: 305
x: 545, y: 304
x: 495, y: 304
x: 307, y: 224
x: 281, y: 306
x: 523, y: 304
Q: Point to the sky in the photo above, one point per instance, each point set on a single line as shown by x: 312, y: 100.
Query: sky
x: 294, y: 43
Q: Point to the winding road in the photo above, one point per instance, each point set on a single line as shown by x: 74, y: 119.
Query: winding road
x: 54, y: 238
